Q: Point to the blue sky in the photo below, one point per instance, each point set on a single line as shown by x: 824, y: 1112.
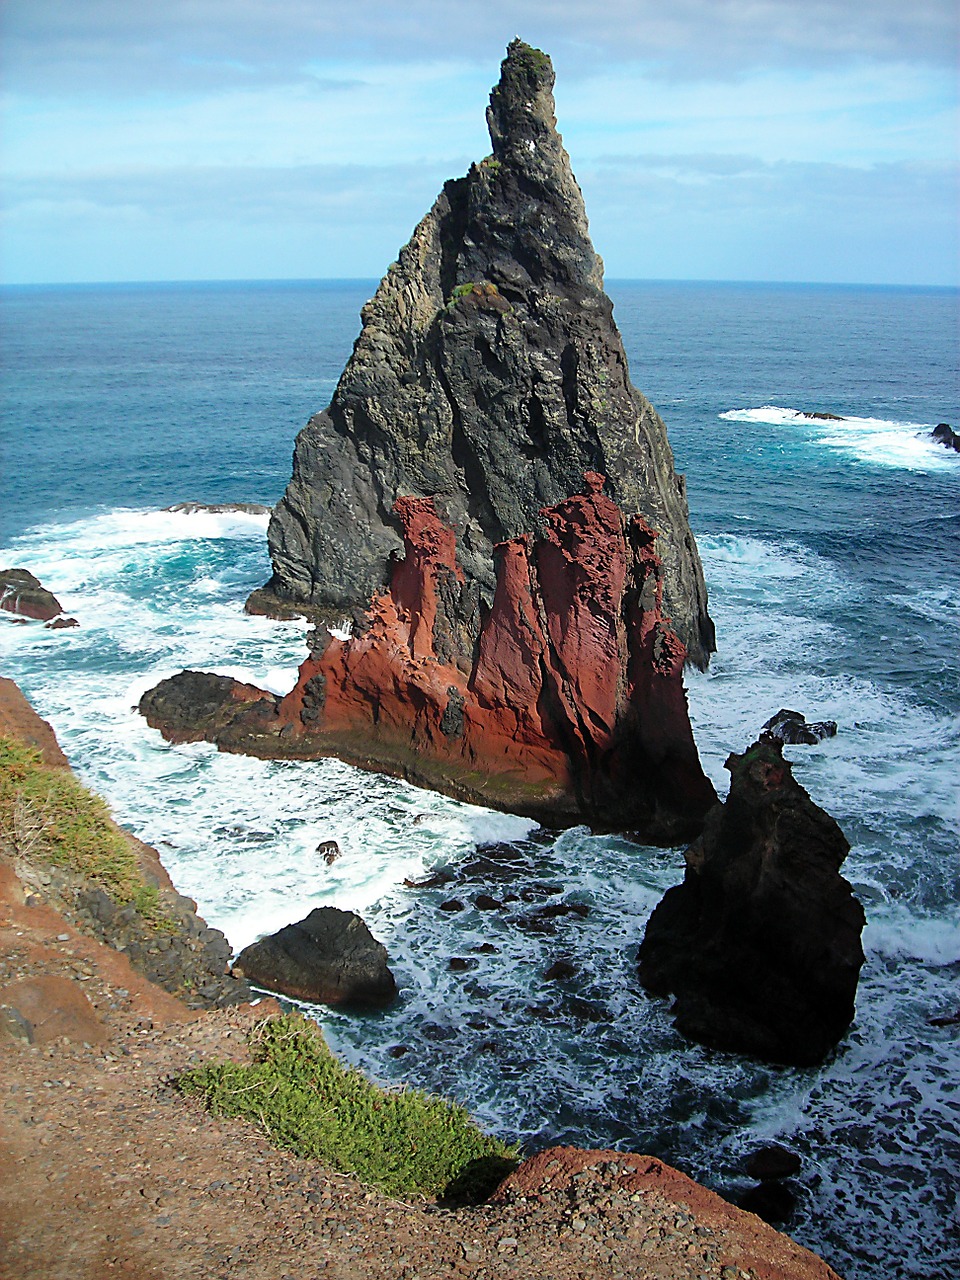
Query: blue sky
x: 810, y: 140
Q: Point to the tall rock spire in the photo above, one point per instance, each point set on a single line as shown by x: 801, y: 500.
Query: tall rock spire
x: 489, y: 376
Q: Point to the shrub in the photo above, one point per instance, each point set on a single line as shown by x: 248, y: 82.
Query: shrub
x: 404, y: 1141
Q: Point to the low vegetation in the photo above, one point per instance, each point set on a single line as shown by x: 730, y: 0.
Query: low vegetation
x: 47, y: 816
x: 406, y: 1142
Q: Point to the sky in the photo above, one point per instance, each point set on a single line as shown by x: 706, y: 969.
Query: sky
x: 791, y: 140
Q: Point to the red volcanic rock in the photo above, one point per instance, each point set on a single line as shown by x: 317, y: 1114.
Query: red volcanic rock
x: 565, y: 702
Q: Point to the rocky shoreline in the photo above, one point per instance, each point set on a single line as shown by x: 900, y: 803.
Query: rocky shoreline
x: 135, y: 1180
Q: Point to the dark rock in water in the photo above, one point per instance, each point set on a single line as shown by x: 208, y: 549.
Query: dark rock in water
x: 484, y: 902
x: 760, y: 945
x: 197, y: 705
x: 489, y: 376
x: 774, y: 1202
x: 771, y: 1163
x: 61, y: 624
x: 560, y: 970
x: 219, y: 508
x: 25, y: 595
x: 946, y: 436
x: 791, y: 727
x: 329, y: 851
x: 451, y: 905
x: 330, y: 957
x: 823, y: 417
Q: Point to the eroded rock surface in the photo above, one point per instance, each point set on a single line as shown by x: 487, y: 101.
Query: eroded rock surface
x: 564, y: 700
x: 488, y: 376
x: 760, y: 945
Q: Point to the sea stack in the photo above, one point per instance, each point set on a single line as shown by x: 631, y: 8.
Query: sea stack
x: 760, y: 945
x: 489, y: 510
x: 488, y: 377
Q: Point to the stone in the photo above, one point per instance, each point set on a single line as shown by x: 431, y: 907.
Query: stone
x: 791, y: 727
x: 488, y: 376
x: 945, y: 435
x: 49, y: 1007
x: 330, y: 957
x: 772, y: 1162
x: 25, y: 595
x: 760, y: 944
x: 329, y: 851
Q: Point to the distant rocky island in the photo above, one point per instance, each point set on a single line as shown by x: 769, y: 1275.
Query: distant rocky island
x: 488, y: 517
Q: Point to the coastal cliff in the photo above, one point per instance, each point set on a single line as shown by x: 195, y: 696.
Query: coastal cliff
x: 489, y: 376
x: 106, y: 1168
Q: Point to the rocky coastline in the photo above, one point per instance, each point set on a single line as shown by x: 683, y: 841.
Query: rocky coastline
x: 133, y: 1179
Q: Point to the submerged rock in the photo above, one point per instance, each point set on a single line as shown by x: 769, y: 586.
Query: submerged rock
x: 791, y: 727
x: 331, y: 957
x: 488, y: 376
x: 760, y: 945
x: 25, y: 595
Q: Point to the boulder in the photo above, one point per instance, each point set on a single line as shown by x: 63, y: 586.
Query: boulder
x: 330, y: 957
x: 945, y: 435
x: 23, y: 594
x: 760, y: 944
x: 791, y: 727
x: 489, y: 375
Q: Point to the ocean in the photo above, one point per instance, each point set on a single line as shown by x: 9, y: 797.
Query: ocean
x: 832, y: 555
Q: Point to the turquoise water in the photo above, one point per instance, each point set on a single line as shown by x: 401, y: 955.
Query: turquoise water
x: 831, y: 552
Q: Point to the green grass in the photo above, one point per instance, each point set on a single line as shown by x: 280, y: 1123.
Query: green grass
x: 406, y: 1142
x: 47, y: 816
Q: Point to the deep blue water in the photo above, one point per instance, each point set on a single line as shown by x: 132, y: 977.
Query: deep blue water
x: 832, y: 552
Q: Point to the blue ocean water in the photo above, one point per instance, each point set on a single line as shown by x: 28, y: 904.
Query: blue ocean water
x: 833, y: 559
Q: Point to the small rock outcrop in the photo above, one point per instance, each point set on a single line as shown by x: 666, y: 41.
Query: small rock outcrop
x: 331, y: 957
x: 760, y: 945
x: 791, y: 727
x: 944, y: 434
x: 564, y: 700
x: 488, y: 377
x: 25, y: 595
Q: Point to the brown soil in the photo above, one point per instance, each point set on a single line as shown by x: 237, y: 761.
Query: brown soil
x: 106, y: 1170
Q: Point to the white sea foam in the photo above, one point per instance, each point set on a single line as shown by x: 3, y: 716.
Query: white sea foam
x: 586, y: 1060
x: 887, y: 442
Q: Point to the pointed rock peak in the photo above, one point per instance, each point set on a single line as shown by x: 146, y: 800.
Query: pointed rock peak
x: 521, y: 116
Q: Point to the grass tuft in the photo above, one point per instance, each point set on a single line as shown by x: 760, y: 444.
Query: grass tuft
x: 47, y: 815
x: 406, y: 1142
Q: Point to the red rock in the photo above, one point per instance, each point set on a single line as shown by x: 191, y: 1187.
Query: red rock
x: 565, y: 702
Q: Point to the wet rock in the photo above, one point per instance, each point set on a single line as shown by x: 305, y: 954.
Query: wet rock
x: 560, y: 970
x: 791, y: 727
x: 773, y: 1162
x: 774, y: 1202
x: 330, y: 956
x: 452, y: 904
x: 329, y: 851
x: 61, y: 624
x: 25, y: 595
x: 760, y: 945
x: 944, y: 435
x: 484, y: 902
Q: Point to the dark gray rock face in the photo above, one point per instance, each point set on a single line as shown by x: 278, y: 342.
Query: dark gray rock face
x: 792, y: 727
x: 489, y: 375
x: 331, y: 957
x: 944, y: 434
x: 760, y: 945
